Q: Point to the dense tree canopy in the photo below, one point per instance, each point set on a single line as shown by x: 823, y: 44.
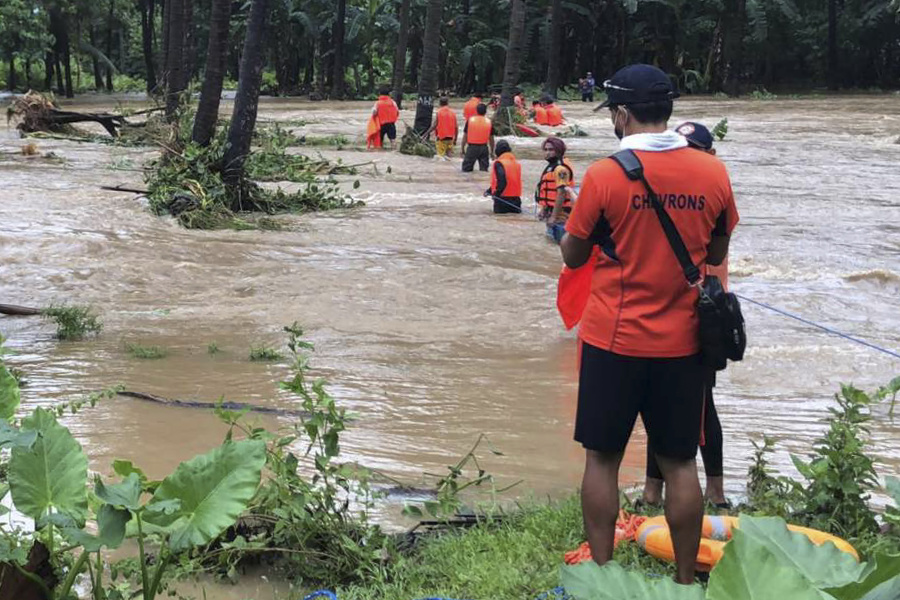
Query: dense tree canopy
x: 350, y: 47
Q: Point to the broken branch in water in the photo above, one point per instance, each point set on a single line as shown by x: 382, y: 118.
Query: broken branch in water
x: 210, y: 405
x: 122, y: 188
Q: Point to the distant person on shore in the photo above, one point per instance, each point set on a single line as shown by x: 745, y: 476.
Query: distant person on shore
x: 698, y: 137
x: 640, y: 348
x: 471, y: 106
x: 387, y: 113
x: 555, y: 194
x: 506, y: 180
x: 540, y: 113
x: 587, y: 87
x: 445, y: 129
x: 477, y: 141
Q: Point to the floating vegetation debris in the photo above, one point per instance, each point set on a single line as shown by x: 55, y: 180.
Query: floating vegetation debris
x: 412, y: 143
x: 146, y: 352
x: 73, y: 322
x: 264, y: 353
x: 721, y: 129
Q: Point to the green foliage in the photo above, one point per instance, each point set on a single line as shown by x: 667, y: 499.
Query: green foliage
x: 763, y: 560
x: 891, y: 389
x: 763, y: 94
x: 9, y: 388
x: 73, y: 322
x: 212, y: 490
x: 51, y: 475
x: 767, y: 494
x: 262, y: 353
x: 213, y: 348
x: 840, y: 475
x: 146, y: 352
x: 892, y: 513
x: 721, y: 129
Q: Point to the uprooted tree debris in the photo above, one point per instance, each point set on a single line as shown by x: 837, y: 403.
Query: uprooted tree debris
x: 36, y: 112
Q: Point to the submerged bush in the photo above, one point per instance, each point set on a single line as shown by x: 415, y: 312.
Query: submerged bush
x: 73, y: 322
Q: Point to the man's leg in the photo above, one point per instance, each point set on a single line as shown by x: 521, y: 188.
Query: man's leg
x: 468, y: 162
x: 653, y: 482
x: 684, y: 513
x: 484, y: 158
x: 711, y: 451
x: 600, y: 501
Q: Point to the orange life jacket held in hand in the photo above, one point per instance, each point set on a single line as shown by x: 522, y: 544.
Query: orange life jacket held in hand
x: 478, y: 130
x: 546, y: 188
x: 446, y: 123
x: 387, y: 110
x: 513, y: 171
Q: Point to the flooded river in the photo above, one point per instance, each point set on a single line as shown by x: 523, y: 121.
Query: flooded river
x: 433, y: 320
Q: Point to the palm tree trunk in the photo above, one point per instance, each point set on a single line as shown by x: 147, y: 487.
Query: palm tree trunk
x: 430, y: 56
x: 216, y: 57
x: 832, y: 45
x: 95, y: 63
x: 512, y: 66
x: 555, y: 50
x: 189, y: 51
x: 337, y: 84
x: 246, y: 102
x: 11, y: 80
x: 175, y: 65
x: 109, y: 38
x: 146, y: 8
x: 400, y: 53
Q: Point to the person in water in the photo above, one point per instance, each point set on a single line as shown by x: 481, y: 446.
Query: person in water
x: 470, y: 108
x: 698, y: 137
x: 555, y: 194
x: 639, y: 330
x: 539, y: 113
x: 554, y: 113
x: 506, y: 180
x: 477, y: 141
x: 445, y: 129
x: 387, y: 112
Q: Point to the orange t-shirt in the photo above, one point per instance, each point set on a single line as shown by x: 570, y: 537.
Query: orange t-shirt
x: 640, y: 302
x: 470, y: 108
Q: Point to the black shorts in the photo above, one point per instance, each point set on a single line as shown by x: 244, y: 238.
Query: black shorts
x: 667, y: 392
x: 390, y: 130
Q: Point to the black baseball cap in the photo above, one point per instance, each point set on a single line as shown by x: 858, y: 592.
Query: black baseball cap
x: 696, y: 134
x: 638, y: 84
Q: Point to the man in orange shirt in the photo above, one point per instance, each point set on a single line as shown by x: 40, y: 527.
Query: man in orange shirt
x: 478, y: 141
x: 640, y: 329
x: 445, y: 129
x: 470, y: 108
x: 387, y: 113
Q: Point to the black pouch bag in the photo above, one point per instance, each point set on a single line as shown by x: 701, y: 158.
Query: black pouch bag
x: 722, y: 333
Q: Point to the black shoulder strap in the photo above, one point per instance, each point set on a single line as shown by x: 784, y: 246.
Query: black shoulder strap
x: 634, y: 170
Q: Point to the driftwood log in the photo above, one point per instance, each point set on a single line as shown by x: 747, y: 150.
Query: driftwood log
x: 18, y: 311
x: 212, y: 405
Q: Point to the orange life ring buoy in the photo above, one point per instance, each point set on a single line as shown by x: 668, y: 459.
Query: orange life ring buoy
x: 653, y: 536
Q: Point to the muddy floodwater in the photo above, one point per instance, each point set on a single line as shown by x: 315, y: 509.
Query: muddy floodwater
x: 434, y: 321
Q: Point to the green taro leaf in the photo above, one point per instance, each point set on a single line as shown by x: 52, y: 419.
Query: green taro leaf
x: 9, y: 393
x: 214, y: 489
x: 748, y: 570
x: 872, y: 584
x: 892, y: 486
x: 823, y: 566
x: 51, y: 475
x: 589, y: 581
x: 126, y: 494
x: 14, y: 437
x: 111, y: 523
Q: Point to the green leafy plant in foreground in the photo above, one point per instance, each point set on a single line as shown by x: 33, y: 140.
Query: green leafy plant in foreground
x: 73, y: 322
x: 763, y: 560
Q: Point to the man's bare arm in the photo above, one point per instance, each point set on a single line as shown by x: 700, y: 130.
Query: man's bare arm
x: 575, y: 251
x: 717, y: 249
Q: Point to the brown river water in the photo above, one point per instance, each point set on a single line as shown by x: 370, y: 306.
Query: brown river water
x: 434, y: 320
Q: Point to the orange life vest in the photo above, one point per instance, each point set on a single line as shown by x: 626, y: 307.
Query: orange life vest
x: 554, y: 115
x: 470, y: 108
x: 387, y: 110
x: 513, y: 171
x: 478, y: 130
x: 540, y: 115
x: 546, y: 188
x: 446, y: 123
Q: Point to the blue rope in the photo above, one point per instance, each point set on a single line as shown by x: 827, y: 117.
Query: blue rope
x: 822, y: 327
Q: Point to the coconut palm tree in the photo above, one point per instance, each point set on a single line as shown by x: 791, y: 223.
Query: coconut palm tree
x: 175, y: 83
x: 400, y: 53
x: 512, y: 67
x: 216, y: 57
x: 246, y: 101
x: 337, y: 83
x: 555, y: 49
x: 430, y: 57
